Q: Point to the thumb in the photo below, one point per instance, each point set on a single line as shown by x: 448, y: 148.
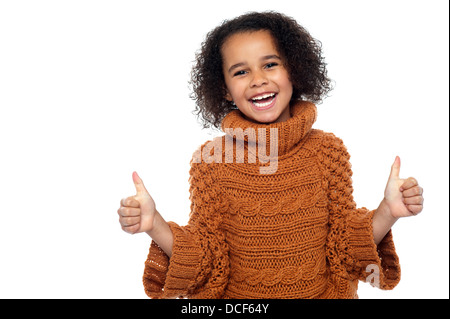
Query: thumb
x: 395, y: 169
x: 140, y: 188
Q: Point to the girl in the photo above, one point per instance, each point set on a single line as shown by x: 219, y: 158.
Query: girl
x: 293, y: 231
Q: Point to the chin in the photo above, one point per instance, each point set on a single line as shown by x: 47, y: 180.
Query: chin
x: 266, y: 118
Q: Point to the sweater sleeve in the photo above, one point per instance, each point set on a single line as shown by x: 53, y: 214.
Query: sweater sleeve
x: 351, y: 249
x: 199, y: 265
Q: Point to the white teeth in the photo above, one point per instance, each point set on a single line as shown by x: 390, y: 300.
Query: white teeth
x: 262, y: 104
x: 265, y: 96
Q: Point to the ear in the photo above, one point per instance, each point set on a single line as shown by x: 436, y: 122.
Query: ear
x: 228, y: 97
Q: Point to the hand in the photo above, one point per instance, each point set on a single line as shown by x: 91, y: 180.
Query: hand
x: 137, y: 213
x: 403, y: 197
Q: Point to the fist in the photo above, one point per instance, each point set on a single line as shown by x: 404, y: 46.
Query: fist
x: 404, y: 197
x: 137, y: 213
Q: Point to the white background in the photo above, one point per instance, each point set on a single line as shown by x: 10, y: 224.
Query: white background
x: 92, y: 90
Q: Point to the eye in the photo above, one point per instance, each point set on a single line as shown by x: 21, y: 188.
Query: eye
x: 270, y: 65
x: 242, y: 72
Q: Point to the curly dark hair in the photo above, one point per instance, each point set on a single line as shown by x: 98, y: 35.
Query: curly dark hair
x: 301, y: 54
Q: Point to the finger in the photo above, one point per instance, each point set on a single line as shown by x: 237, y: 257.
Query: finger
x: 140, y: 188
x: 129, y: 211
x: 413, y: 191
x: 415, y: 209
x: 408, y: 183
x: 416, y: 200
x: 129, y: 202
x: 131, y: 229
x: 395, y: 168
x: 129, y: 221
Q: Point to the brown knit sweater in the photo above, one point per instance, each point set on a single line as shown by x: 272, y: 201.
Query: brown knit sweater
x: 295, y: 233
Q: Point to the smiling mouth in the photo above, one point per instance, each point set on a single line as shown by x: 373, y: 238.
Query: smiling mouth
x: 264, y: 100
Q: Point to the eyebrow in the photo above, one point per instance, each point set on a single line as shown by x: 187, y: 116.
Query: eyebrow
x: 266, y: 57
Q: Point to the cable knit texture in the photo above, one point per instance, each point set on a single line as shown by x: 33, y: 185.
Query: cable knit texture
x: 294, y: 233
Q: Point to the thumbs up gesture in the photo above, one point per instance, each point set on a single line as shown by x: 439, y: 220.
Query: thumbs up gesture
x: 402, y: 196
x: 137, y: 213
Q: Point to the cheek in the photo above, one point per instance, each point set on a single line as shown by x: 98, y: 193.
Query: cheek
x: 236, y: 90
x: 284, y: 79
x: 285, y: 83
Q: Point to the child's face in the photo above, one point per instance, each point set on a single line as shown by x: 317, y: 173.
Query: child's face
x: 255, y: 77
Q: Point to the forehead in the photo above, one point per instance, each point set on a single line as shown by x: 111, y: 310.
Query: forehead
x: 248, y: 45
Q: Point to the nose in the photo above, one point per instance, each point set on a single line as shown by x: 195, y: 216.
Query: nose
x: 259, y: 79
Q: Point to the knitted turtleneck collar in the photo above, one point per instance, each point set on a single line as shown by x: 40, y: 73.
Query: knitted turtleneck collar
x: 290, y: 132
